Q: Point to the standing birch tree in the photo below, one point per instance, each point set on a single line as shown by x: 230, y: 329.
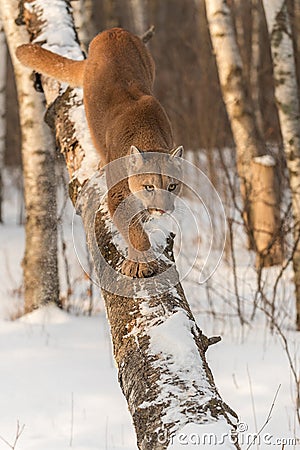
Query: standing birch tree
x: 40, y: 267
x: 255, y: 62
x: 257, y: 171
x: 287, y: 100
x: 84, y: 22
x: 3, y: 56
x: 164, y: 392
x: 297, y: 34
x: 138, y: 8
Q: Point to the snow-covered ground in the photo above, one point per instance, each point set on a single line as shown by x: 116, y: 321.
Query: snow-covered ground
x: 57, y: 374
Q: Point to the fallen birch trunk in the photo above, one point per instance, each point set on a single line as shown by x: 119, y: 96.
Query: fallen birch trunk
x: 158, y: 347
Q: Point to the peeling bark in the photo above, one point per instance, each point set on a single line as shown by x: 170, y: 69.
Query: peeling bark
x: 160, y: 401
x: 40, y: 267
x: 287, y: 100
x: 262, y: 227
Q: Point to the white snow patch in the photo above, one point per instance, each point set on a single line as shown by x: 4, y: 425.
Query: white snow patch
x: 58, y: 32
x: 46, y: 315
x: 158, y: 230
x: 265, y: 160
x: 207, y: 436
x: 90, y: 162
x: 178, y: 359
x: 178, y: 348
x: 142, y: 293
x: 165, y: 339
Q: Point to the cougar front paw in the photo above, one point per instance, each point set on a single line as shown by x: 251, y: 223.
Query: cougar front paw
x: 138, y: 269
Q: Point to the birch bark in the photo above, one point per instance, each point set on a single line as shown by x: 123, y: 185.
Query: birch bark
x: 138, y: 8
x: 259, y: 191
x: 3, y: 56
x: 161, y: 402
x: 40, y: 270
x: 287, y: 100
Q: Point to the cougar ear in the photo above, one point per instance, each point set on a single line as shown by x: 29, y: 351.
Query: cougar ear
x: 178, y: 152
x: 136, y: 156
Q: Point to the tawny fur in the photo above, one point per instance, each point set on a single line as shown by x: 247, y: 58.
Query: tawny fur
x: 51, y: 64
x: 117, y: 79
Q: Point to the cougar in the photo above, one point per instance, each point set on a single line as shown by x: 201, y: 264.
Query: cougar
x: 124, y: 119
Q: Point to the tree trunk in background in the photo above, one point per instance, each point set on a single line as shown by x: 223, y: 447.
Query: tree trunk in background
x: 255, y: 64
x: 297, y: 35
x: 38, y: 154
x: 286, y: 94
x: 259, y: 190
x: 3, y: 59
x: 239, y: 6
x: 110, y: 8
x: 160, y: 400
x: 84, y: 22
x: 138, y: 8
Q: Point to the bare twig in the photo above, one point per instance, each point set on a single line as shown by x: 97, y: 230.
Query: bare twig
x: 231, y: 187
x: 282, y: 270
x: 236, y: 290
x: 252, y: 402
x: 19, y: 431
x: 267, y: 419
x: 296, y: 376
x: 72, y: 420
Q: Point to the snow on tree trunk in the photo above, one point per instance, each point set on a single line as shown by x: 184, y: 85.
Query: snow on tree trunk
x: 2, y: 111
x: 38, y: 154
x: 287, y: 100
x: 158, y: 347
x: 261, y: 206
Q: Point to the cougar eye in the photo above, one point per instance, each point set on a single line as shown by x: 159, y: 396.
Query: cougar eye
x: 172, y: 187
x: 149, y: 187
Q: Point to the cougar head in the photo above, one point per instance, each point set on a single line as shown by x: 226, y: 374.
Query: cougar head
x: 154, y: 178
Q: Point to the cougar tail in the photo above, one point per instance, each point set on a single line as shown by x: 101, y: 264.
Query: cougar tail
x: 49, y: 63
